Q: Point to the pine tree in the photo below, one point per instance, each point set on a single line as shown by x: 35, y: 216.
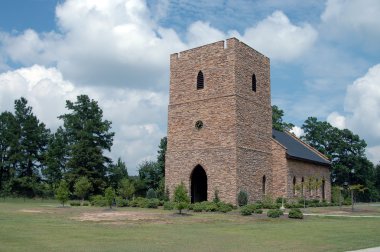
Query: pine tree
x: 28, y: 154
x: 181, y: 198
x: 88, y: 137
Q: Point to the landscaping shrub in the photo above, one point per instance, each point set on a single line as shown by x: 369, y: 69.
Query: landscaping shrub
x: 295, y: 213
x: 209, y: 206
x: 152, y: 203
x: 151, y: 194
x: 85, y: 203
x: 258, y: 211
x: 168, y: 205
x: 120, y: 202
x: 269, y: 203
x: 259, y: 204
x: 279, y: 200
x: 246, y: 210
x: 139, y: 202
x: 274, y: 213
x: 242, y: 198
x: 224, y: 207
x: 98, y: 200
x: 197, y: 207
x: 216, y: 197
x: 293, y: 205
x: 74, y: 203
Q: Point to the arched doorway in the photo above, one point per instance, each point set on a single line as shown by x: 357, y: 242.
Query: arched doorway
x: 198, y: 184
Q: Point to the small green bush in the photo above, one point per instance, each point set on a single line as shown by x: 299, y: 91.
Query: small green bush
x: 98, y: 200
x: 258, y: 211
x: 120, y: 202
x: 74, y: 203
x: 242, y: 198
x: 152, y: 203
x: 295, y: 213
x: 151, y: 194
x: 139, y: 202
x: 85, y: 203
x: 246, y: 210
x: 168, y: 205
x: 279, y: 200
x: 190, y: 206
x: 209, y: 206
x: 198, y: 207
x: 274, y: 213
x: 224, y: 207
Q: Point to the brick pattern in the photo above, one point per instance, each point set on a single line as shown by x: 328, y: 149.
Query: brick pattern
x: 235, y: 145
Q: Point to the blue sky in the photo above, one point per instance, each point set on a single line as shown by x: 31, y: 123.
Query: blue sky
x: 325, y: 59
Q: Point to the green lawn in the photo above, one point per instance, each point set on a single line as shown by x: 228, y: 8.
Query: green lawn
x: 42, y: 226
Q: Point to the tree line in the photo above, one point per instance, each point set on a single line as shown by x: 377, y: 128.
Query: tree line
x: 34, y: 162
x: 346, y: 151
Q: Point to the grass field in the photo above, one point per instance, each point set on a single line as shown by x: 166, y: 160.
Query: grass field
x: 43, y: 226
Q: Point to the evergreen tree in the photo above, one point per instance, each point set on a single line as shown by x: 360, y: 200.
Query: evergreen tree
x: 150, y: 173
x: 55, y: 158
x: 8, y: 143
x: 88, y: 137
x: 161, y: 155
x: 117, y: 172
x: 28, y: 154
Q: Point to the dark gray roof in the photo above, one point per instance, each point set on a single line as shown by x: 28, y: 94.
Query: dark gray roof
x: 295, y: 149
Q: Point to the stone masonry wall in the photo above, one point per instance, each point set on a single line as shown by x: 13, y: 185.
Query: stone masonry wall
x: 279, y: 169
x: 213, y: 146
x: 305, y: 170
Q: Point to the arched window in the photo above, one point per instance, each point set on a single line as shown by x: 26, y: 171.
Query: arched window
x: 264, y: 184
x: 254, y: 82
x: 294, y: 185
x: 200, y: 80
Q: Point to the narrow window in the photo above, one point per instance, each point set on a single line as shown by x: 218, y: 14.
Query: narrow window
x: 200, y: 80
x: 254, y: 82
x: 294, y: 185
x: 323, y: 190
x: 264, y: 182
x: 316, y: 187
x: 302, y: 183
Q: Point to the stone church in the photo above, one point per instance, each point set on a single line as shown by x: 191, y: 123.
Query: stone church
x: 220, y: 135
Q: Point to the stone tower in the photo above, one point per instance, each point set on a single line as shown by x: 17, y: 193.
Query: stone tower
x: 220, y: 122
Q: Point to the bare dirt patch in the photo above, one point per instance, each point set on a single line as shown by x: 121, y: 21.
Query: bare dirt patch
x: 114, y: 216
x: 30, y: 211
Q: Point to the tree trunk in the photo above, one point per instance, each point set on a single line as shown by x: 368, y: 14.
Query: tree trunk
x: 352, y: 200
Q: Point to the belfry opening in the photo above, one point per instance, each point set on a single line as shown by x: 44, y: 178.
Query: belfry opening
x: 198, y: 180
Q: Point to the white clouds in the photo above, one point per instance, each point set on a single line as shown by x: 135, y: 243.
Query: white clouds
x: 279, y: 39
x: 297, y: 131
x: 138, y: 117
x: 362, y: 104
x: 201, y: 33
x: 337, y: 120
x: 353, y: 19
